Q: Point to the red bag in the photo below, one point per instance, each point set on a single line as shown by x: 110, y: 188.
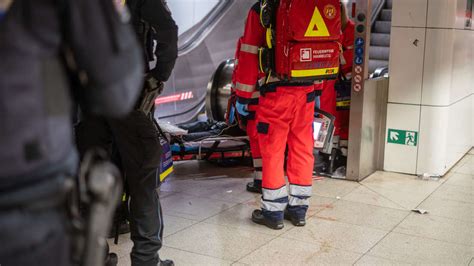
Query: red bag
x: 307, y: 39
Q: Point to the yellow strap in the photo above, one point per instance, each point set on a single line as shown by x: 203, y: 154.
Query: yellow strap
x: 269, y: 38
x: 261, y: 16
x: 268, y: 76
x: 166, y: 173
x: 343, y: 103
x: 314, y: 72
x: 260, y: 63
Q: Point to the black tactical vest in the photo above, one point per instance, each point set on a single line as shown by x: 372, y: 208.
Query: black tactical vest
x: 36, y: 138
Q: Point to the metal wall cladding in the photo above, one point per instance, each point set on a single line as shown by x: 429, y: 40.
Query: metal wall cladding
x: 431, y: 88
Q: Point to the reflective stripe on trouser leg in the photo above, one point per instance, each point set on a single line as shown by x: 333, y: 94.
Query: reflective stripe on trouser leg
x: 257, y: 165
x: 300, y: 159
x: 299, y: 195
x: 258, y: 174
x: 274, y: 202
x: 299, y: 200
x: 273, y: 115
x: 255, y: 149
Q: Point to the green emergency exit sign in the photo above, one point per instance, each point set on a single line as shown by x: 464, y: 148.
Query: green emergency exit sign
x: 402, y: 137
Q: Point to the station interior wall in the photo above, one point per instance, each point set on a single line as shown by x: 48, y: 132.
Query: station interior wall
x: 431, y: 87
x: 188, y: 13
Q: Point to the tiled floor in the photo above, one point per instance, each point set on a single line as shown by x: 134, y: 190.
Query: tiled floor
x: 207, y: 221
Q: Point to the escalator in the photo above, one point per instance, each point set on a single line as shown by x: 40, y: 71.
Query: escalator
x: 380, y: 37
x: 212, y: 40
x: 201, y: 49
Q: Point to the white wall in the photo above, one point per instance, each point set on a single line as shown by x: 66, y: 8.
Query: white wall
x: 187, y: 13
x: 431, y: 85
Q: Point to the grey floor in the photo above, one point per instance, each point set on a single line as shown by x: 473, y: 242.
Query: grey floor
x: 207, y: 221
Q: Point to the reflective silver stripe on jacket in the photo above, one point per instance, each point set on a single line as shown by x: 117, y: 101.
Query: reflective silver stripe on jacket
x: 244, y: 87
x: 274, y: 194
x: 294, y: 201
x: 252, y: 49
x: 257, y: 162
x: 256, y: 95
x: 304, y: 191
x: 273, y: 206
x: 258, y: 175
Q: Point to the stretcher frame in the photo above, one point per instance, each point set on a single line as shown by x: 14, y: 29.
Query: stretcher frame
x: 215, y: 153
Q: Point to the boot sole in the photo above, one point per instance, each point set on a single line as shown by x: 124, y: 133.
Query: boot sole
x: 295, y: 223
x: 258, y: 221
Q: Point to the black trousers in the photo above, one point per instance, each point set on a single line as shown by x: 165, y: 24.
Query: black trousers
x: 136, y: 140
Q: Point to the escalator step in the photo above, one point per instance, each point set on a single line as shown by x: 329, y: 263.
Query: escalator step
x: 389, y: 4
x: 380, y: 39
x: 383, y: 27
x: 379, y: 52
x: 386, y: 15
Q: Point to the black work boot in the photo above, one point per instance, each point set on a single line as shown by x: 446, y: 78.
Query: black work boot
x: 254, y: 188
x: 296, y: 221
x: 165, y: 263
x: 258, y: 218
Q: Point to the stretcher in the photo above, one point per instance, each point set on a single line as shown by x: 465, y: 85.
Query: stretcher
x: 210, y: 141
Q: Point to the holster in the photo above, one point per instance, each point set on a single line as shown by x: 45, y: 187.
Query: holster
x: 91, y: 208
x: 151, y: 90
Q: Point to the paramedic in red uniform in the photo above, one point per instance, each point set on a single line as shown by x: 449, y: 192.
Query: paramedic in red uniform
x: 347, y: 41
x: 284, y: 117
x: 250, y: 116
x: 328, y: 97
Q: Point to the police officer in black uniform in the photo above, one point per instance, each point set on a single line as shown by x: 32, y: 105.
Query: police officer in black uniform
x: 37, y: 156
x: 135, y: 138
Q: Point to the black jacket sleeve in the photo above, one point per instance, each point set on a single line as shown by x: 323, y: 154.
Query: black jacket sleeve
x: 107, y: 55
x: 156, y: 12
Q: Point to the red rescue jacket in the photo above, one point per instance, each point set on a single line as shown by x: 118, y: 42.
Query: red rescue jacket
x: 247, y: 72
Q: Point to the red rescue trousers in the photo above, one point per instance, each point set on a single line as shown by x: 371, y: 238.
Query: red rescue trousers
x: 285, y: 117
x: 254, y: 146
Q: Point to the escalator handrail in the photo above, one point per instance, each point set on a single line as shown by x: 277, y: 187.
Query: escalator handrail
x: 376, y: 12
x: 380, y: 72
x: 207, y: 22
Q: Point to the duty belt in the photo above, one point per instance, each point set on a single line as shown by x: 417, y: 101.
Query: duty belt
x: 47, y: 194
